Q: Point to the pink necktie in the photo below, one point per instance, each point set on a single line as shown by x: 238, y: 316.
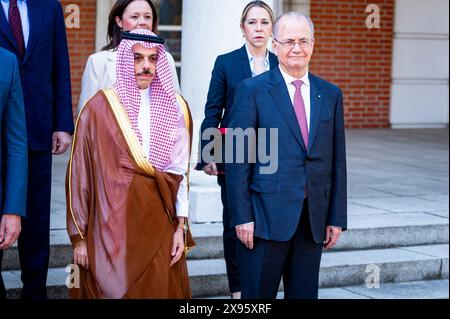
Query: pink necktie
x: 16, y: 25
x: 299, y: 108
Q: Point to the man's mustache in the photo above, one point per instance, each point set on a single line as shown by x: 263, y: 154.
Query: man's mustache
x: 145, y: 72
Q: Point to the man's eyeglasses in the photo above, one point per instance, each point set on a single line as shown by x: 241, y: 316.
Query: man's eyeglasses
x: 290, y: 44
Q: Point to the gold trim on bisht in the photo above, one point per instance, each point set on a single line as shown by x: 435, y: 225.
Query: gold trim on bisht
x: 70, y: 174
x: 123, y: 120
x: 132, y: 141
x: 136, y: 149
x: 184, y: 107
x: 187, y: 120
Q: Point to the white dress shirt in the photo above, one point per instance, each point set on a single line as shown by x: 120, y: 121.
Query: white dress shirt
x: 23, y: 9
x: 144, y: 120
x: 251, y: 58
x: 179, y: 160
x: 305, y: 89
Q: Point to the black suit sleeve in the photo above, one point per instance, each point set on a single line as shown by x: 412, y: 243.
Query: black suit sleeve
x: 215, y: 104
x: 338, y: 208
x: 62, y: 114
x: 243, y: 117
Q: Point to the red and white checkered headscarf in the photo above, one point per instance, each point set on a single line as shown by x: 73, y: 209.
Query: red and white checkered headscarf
x: 164, y: 109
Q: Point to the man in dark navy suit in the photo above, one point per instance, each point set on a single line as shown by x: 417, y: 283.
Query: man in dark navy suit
x: 285, y: 218
x: 34, y: 31
x: 13, y: 155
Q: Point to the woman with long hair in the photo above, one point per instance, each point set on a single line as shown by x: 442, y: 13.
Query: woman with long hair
x: 125, y: 15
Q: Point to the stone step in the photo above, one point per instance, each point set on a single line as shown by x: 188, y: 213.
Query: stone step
x: 430, y: 289
x: 345, y: 268
x: 366, y: 232
x: 338, y: 269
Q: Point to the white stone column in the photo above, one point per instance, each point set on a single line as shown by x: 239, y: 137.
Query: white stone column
x: 420, y: 93
x: 210, y: 28
x: 277, y: 6
x: 101, y: 29
x: 302, y: 6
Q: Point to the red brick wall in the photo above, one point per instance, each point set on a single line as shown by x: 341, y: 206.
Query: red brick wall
x: 355, y: 58
x: 81, y: 42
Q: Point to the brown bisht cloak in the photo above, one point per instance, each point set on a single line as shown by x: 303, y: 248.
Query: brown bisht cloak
x: 123, y: 208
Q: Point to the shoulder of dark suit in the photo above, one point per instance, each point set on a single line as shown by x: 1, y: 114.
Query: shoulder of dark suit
x: 6, y: 57
x: 323, y: 83
x: 230, y: 56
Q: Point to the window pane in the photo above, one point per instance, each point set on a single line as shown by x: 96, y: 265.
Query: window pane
x: 170, y: 12
x: 173, y: 43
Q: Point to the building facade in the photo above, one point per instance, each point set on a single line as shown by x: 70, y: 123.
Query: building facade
x: 393, y: 75
x: 390, y: 57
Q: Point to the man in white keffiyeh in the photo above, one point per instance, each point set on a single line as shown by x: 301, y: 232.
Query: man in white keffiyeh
x: 145, y: 89
x: 127, y: 184
x: 137, y: 89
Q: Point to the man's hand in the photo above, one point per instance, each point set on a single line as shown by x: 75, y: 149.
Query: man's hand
x: 333, y: 234
x: 177, y: 246
x: 10, y: 227
x: 211, y: 169
x: 80, y: 256
x: 60, y: 142
x: 245, y: 234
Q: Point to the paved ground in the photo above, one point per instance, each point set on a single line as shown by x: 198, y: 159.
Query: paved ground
x: 433, y: 289
x: 389, y: 172
x: 395, y: 177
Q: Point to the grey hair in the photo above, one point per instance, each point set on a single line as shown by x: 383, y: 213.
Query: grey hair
x: 295, y: 15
